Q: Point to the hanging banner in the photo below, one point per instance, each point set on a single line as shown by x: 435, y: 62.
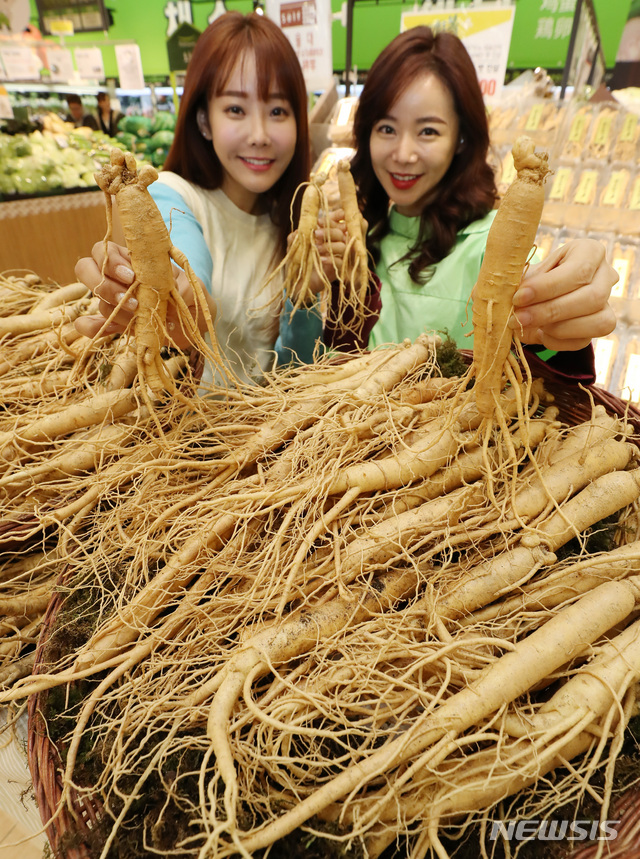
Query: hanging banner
x: 21, y: 63
x: 486, y: 34
x: 129, y: 67
x: 59, y: 63
x: 89, y: 63
x: 307, y: 25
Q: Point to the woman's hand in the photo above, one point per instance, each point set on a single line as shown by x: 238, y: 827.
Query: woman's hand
x: 116, y: 307
x: 562, y: 302
x: 331, y: 242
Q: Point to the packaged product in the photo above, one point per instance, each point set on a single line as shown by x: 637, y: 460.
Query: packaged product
x: 605, y: 352
x: 626, y: 147
x: 614, y: 185
x: 601, y: 135
x: 558, y: 191
x: 624, y: 258
x: 629, y: 383
x: 574, y: 144
x: 545, y: 242
x: 629, y: 222
x: 583, y: 197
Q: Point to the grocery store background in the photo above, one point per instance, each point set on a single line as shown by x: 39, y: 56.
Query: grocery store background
x: 147, y: 22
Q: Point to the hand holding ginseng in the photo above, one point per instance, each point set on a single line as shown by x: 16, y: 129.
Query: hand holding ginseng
x: 113, y: 282
x: 330, y: 237
x: 562, y: 302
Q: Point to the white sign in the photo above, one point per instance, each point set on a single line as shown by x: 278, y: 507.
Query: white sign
x: 129, y: 67
x: 89, y: 63
x: 59, y: 63
x: 307, y: 25
x: 485, y: 33
x: 21, y: 63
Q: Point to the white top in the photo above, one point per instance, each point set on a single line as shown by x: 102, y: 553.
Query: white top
x: 231, y: 251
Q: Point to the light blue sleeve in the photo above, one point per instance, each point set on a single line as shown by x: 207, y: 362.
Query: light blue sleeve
x: 299, y: 334
x: 186, y: 232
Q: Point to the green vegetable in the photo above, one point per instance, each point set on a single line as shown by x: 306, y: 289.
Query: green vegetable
x: 128, y: 139
x: 162, y: 138
x: 159, y: 156
x: 163, y: 121
x: 138, y: 125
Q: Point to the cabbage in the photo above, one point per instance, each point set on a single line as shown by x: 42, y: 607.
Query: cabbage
x: 161, y: 138
x: 127, y: 138
x: 163, y: 121
x: 138, y: 125
x: 159, y: 156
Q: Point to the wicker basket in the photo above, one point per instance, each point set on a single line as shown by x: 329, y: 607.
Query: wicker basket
x: 575, y: 405
x: 45, y: 762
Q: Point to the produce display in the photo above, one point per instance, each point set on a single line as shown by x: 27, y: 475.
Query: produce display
x: 51, y: 161
x: 373, y: 601
x: 148, y: 136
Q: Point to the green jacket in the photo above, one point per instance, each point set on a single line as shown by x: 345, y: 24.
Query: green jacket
x: 408, y: 309
x: 442, y: 302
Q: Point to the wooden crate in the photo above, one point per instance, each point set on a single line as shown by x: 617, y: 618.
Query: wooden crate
x: 48, y: 235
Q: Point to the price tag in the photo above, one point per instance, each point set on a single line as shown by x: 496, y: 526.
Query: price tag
x: 629, y: 128
x: 535, y: 117
x: 616, y: 186
x: 586, y: 190
x: 60, y: 26
x: 578, y: 128
x: 602, y: 134
x: 561, y: 182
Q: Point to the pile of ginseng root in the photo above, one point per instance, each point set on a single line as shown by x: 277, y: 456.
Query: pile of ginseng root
x: 358, y: 606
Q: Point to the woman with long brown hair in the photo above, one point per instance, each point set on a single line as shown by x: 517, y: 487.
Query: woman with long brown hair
x: 240, y: 151
x: 428, y: 195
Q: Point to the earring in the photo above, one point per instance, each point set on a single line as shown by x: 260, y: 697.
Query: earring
x: 461, y: 142
x: 203, y: 124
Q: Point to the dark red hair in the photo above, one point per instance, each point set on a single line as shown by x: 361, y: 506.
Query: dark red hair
x: 468, y: 189
x: 215, y: 55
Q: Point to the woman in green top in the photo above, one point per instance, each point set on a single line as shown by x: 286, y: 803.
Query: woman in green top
x: 428, y: 195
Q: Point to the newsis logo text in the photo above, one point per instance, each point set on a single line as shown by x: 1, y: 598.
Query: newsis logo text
x: 554, y: 830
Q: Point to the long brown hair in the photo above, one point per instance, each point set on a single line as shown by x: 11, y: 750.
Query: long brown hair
x: 468, y: 189
x: 214, y: 57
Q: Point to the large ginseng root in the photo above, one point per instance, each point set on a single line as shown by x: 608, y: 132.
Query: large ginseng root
x: 509, y: 246
x: 152, y: 253
x: 342, y: 297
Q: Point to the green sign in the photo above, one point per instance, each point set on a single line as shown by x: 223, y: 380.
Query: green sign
x: 542, y: 30
x: 180, y: 45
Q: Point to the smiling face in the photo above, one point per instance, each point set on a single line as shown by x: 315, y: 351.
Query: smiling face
x: 254, y: 140
x: 413, y: 146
